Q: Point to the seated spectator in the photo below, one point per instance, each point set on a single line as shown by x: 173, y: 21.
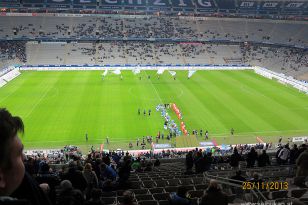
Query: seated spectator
x: 69, y: 195
x: 136, y: 165
x: 128, y: 198
x: 214, y: 195
x: 95, y: 199
x: 180, y: 197
x: 263, y: 159
x: 16, y: 186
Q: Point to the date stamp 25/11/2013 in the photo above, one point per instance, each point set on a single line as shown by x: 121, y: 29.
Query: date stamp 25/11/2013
x: 274, y: 185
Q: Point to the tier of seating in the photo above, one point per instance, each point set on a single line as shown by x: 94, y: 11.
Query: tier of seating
x: 155, y: 181
x: 271, y: 31
x: 291, y: 62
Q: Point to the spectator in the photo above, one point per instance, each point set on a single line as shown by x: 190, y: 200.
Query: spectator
x: 302, y: 164
x: 208, y: 160
x: 75, y: 177
x: 124, y: 171
x: 69, y: 195
x: 235, y: 158
x: 91, y: 179
x: 136, y: 165
x: 284, y: 154
x: 199, y: 162
x: 107, y: 172
x: 263, y: 159
x: 11, y: 157
x: 14, y: 182
x: 251, y: 158
x: 180, y: 197
x: 214, y: 195
x: 47, y: 176
x: 294, y: 153
x: 189, y: 162
x: 302, y: 149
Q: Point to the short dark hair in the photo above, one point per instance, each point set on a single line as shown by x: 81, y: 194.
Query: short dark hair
x: 9, y: 126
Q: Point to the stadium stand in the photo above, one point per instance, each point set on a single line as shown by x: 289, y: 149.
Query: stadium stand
x: 153, y: 185
x: 44, y: 36
x: 255, y: 30
x: 125, y: 40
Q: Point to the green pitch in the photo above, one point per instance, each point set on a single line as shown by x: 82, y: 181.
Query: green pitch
x: 58, y: 108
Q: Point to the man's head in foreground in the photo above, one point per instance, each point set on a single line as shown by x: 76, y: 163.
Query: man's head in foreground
x: 11, y: 157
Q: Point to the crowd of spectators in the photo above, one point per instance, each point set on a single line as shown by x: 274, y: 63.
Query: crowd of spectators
x: 150, y: 27
x: 282, y: 59
x: 10, y: 50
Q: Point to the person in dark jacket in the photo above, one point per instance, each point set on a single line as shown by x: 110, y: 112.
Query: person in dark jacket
x: 208, y: 160
x: 75, y: 177
x: 251, y: 158
x: 214, y: 195
x: 294, y: 153
x: 263, y: 159
x: 189, y: 161
x: 302, y: 164
x: 199, y: 162
x: 235, y: 158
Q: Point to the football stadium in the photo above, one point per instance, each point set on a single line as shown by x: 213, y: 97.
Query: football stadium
x: 153, y: 102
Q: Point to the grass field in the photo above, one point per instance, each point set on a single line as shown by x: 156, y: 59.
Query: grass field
x: 58, y: 108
